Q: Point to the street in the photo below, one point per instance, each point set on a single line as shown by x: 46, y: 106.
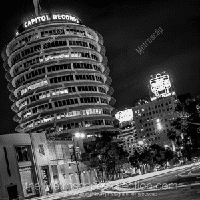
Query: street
x: 181, y: 184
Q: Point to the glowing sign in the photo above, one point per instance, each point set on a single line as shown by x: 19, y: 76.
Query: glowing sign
x: 125, y: 115
x: 52, y: 17
x: 57, y: 57
x: 161, y: 86
x: 34, y: 86
x: 61, y: 56
x: 36, y: 20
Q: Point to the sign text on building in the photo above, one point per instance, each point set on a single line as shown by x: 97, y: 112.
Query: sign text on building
x: 125, y: 115
x: 52, y: 17
x: 161, y: 86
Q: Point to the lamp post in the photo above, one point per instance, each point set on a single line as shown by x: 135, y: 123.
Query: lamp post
x: 166, y: 146
x: 77, y: 135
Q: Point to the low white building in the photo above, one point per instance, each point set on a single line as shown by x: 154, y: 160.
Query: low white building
x: 128, y: 138
x: 32, y: 166
x: 12, y: 171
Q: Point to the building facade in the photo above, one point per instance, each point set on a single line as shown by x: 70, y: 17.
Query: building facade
x: 127, y: 130
x: 32, y: 166
x: 152, y: 120
x: 16, y: 164
x: 127, y: 135
x: 58, y: 77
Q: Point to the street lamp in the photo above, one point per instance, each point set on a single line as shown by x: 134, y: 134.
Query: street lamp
x: 140, y: 142
x: 166, y: 146
x: 77, y: 135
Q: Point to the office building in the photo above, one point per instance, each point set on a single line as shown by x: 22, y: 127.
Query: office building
x: 152, y: 120
x: 127, y: 130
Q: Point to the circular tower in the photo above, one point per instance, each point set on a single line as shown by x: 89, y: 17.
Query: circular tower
x: 58, y: 77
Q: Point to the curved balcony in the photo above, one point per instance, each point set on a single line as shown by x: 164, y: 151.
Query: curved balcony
x: 110, y: 91
x: 12, y: 97
x: 114, y: 111
x: 10, y: 87
x: 108, y: 81
x: 3, y: 54
x: 5, y: 65
x: 55, y: 72
x: 112, y: 101
x: 8, y: 76
x: 16, y: 118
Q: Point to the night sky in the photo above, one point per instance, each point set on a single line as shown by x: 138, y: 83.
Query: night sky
x: 124, y: 27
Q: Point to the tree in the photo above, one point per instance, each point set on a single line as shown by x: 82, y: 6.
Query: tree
x: 134, y: 159
x: 184, y: 127
x: 153, y: 154
x: 145, y: 156
x: 174, y: 135
x: 169, y: 154
x: 104, y: 154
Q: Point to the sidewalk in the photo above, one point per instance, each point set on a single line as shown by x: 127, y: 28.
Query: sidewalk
x: 111, y: 183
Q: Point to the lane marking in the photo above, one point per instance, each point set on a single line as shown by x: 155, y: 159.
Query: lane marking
x: 153, y: 190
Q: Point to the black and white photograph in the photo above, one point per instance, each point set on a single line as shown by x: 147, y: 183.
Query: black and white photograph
x: 100, y: 100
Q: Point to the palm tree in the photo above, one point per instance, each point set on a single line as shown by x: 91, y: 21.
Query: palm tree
x: 172, y: 136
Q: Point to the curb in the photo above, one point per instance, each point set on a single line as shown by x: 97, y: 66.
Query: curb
x: 153, y: 175
x: 163, y: 171
x: 106, y: 185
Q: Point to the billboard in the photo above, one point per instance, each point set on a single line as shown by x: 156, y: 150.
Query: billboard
x: 125, y: 115
x: 161, y: 86
x: 52, y: 17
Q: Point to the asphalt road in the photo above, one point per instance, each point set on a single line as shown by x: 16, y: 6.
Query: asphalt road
x: 182, y: 184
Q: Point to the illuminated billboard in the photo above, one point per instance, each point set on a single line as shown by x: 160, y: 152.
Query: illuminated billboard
x: 125, y: 115
x: 161, y: 86
x: 54, y: 17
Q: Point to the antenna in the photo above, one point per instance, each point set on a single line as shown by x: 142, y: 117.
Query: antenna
x: 36, y: 4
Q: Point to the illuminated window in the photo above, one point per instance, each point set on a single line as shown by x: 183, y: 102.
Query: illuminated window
x: 23, y: 153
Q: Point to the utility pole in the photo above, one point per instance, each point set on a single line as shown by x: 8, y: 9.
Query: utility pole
x: 77, y: 164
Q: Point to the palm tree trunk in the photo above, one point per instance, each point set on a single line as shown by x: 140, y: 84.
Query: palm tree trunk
x: 173, y: 146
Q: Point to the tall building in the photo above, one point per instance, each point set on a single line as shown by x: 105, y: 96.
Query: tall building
x: 152, y: 120
x: 58, y: 77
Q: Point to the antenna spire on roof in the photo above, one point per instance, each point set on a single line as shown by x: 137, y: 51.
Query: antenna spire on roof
x: 36, y: 4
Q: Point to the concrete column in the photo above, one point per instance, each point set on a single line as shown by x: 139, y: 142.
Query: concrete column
x: 60, y: 179
x: 88, y: 178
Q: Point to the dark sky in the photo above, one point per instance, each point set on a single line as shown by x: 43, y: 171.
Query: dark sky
x: 124, y: 26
